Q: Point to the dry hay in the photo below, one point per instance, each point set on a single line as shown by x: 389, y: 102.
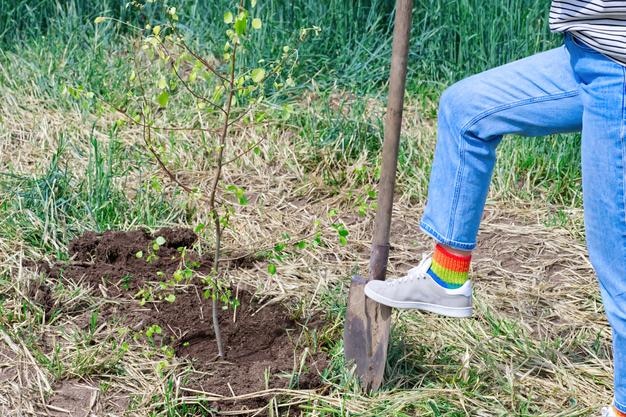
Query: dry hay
x: 23, y: 380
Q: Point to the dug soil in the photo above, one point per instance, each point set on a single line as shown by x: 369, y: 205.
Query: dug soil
x: 263, y: 343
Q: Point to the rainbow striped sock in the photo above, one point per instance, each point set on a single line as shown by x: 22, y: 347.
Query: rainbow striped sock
x: 447, y: 269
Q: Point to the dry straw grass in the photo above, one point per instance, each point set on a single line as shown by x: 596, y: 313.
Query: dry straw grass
x: 539, y: 339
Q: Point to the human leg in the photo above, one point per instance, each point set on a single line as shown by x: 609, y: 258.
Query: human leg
x: 603, y: 84
x: 535, y: 96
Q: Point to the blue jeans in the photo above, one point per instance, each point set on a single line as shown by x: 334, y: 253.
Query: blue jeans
x: 566, y: 89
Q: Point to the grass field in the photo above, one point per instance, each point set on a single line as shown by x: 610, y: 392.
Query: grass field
x: 538, y: 344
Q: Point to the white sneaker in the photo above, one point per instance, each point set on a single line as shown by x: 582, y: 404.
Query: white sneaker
x: 418, y: 290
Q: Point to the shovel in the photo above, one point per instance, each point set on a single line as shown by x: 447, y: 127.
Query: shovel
x: 367, y: 324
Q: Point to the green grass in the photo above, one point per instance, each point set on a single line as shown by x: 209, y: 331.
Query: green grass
x: 56, y: 46
x: 450, y: 39
x: 47, y: 209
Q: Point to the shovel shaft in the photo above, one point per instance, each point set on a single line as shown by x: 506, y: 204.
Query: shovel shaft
x: 393, y: 123
x: 367, y: 326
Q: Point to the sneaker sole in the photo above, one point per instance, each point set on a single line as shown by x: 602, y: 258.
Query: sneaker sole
x: 432, y: 308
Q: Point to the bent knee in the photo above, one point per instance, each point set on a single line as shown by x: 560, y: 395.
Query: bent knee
x: 461, y: 102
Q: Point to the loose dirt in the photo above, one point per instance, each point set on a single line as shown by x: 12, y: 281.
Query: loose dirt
x: 8, y: 360
x: 111, y: 259
x: 71, y: 398
x: 264, y: 347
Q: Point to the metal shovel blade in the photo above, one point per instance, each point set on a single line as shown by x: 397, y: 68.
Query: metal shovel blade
x: 366, y: 335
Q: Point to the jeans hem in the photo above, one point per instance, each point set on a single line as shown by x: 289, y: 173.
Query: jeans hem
x: 620, y: 407
x: 429, y: 230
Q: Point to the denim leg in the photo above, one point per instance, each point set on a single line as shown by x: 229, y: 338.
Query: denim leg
x: 603, y: 85
x: 535, y: 96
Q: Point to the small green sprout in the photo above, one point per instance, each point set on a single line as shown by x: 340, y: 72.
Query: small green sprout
x: 152, y: 330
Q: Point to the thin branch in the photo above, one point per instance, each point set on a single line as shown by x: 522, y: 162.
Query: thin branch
x: 262, y: 248
x: 204, y: 62
x: 187, y: 87
x: 165, y: 128
x: 143, y: 90
x: 164, y: 167
x: 212, y: 210
x: 113, y: 19
x: 147, y: 134
x: 241, y: 116
x: 254, y: 145
x: 222, y: 141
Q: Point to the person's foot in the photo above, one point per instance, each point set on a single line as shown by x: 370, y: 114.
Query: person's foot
x: 418, y: 290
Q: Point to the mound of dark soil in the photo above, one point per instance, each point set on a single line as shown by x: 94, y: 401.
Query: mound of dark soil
x: 112, y: 259
x: 259, y: 341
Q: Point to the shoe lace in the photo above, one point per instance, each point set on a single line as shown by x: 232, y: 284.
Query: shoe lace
x: 402, y: 280
x: 413, y: 274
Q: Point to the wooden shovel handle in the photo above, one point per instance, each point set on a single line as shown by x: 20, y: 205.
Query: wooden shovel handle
x: 393, y: 124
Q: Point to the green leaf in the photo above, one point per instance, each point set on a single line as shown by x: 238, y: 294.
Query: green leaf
x: 139, y: 255
x: 258, y: 75
x: 253, y: 3
x: 99, y: 20
x: 178, y: 275
x: 343, y: 241
x: 162, y: 83
x: 152, y: 41
x: 163, y: 98
x: 271, y: 268
x: 228, y: 18
x: 256, y: 23
x: 343, y: 232
x: 156, y: 30
x: 160, y: 241
x: 155, y: 184
x: 240, y: 24
x: 154, y: 329
x: 170, y: 298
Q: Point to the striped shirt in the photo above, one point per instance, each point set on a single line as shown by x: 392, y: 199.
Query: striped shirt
x: 599, y: 24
